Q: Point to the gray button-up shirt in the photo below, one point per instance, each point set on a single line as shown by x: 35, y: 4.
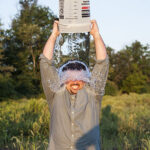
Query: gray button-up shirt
x: 74, y: 121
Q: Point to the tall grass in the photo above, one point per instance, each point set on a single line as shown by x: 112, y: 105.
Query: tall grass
x: 24, y: 124
x: 124, y: 123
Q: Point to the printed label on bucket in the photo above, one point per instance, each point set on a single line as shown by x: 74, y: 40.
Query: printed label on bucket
x: 74, y: 16
x: 61, y: 9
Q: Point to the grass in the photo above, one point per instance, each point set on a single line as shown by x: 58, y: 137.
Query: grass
x: 124, y: 123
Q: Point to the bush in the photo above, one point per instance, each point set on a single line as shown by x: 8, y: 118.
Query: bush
x: 135, y: 82
x: 6, y: 87
x: 111, y: 88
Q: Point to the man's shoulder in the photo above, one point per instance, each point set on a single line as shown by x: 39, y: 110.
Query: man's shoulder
x: 89, y: 90
x: 61, y: 90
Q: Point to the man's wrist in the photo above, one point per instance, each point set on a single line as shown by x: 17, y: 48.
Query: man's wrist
x: 96, y: 35
x: 53, y: 36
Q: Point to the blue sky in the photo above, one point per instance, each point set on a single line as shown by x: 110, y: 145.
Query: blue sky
x: 120, y: 21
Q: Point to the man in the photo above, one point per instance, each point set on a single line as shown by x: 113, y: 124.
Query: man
x: 74, y: 96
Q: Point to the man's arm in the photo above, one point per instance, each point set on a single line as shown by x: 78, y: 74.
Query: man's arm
x: 99, y: 44
x: 50, y: 44
x: 49, y: 75
x: 100, y: 70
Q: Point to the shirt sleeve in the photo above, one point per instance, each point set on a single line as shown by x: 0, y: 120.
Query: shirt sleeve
x: 49, y: 78
x: 99, y: 76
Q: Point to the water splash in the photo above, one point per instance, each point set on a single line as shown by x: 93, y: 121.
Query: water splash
x: 71, y: 46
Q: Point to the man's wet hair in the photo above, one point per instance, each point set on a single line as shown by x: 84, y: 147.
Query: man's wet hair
x: 74, y: 66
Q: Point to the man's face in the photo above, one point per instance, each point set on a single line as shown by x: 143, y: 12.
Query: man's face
x: 74, y: 86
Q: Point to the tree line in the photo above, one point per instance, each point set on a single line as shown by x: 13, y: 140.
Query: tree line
x: 21, y: 45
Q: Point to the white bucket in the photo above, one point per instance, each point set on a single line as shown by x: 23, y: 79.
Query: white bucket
x: 74, y: 16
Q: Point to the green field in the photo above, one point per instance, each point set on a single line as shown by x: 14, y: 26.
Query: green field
x: 124, y: 123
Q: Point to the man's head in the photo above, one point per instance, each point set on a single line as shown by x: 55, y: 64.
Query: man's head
x: 74, y: 74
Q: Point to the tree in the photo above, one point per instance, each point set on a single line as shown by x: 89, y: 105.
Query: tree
x: 24, y: 42
x: 126, y: 59
x: 6, y: 82
x: 3, y: 67
x: 135, y: 82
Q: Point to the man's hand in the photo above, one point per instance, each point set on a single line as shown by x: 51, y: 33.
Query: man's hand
x: 55, y: 32
x: 94, y: 29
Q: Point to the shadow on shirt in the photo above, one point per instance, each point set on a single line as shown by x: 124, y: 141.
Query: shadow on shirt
x: 90, y: 140
x: 109, y: 130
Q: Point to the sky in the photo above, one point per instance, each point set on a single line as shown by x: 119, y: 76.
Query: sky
x: 120, y: 22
